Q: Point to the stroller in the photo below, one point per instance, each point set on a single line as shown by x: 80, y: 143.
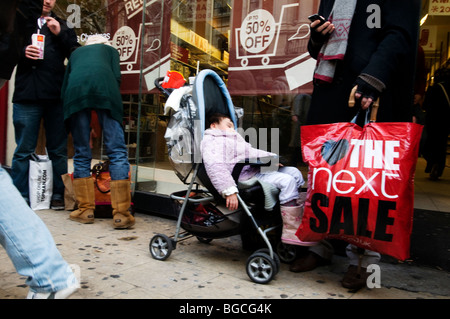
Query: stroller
x: 202, y: 210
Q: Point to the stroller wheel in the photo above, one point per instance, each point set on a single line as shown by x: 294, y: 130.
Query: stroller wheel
x: 261, y: 268
x: 160, y: 247
x: 204, y: 240
x: 287, y: 253
x: 276, y: 259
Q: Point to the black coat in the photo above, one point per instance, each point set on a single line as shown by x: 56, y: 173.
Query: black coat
x: 387, y: 53
x: 18, y: 20
x: 41, y: 80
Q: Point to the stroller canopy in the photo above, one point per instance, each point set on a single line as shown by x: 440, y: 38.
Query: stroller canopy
x: 211, y: 96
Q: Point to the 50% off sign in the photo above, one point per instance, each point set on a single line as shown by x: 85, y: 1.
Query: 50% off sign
x: 257, y: 31
x: 125, y: 42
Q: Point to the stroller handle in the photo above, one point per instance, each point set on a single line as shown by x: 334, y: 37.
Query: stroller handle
x: 158, y: 82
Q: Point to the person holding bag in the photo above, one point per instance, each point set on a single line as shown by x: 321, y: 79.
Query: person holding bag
x: 37, y: 96
x: 370, y: 45
x: 92, y: 82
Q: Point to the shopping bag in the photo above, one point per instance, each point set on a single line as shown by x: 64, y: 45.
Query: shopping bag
x: 40, y: 182
x: 360, y: 184
x: 70, y: 201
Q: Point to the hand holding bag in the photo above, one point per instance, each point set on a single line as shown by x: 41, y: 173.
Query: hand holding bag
x: 361, y: 184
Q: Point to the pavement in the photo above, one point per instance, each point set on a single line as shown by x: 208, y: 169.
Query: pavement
x: 117, y: 264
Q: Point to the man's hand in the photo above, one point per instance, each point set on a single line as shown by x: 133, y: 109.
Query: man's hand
x: 365, y: 92
x: 53, y: 25
x: 365, y: 101
x: 232, y: 202
x: 324, y: 29
x: 32, y: 52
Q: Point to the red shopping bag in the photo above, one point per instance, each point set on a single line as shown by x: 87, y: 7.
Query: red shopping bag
x: 360, y: 184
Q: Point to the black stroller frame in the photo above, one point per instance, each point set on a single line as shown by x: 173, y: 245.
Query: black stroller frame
x: 264, y: 263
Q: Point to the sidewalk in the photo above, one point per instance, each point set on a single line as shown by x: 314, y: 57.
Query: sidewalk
x: 116, y: 264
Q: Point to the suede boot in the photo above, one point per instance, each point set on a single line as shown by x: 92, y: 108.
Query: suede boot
x: 121, y: 204
x: 309, y: 262
x: 85, y: 196
x: 292, y: 218
x: 356, y: 276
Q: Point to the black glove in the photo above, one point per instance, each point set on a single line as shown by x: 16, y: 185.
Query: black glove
x: 317, y: 37
x: 366, y: 90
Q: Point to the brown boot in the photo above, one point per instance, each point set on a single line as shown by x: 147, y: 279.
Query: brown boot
x: 309, y: 262
x: 121, y: 204
x: 355, y: 278
x: 85, y: 196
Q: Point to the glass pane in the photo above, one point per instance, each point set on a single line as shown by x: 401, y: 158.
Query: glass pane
x: 257, y: 47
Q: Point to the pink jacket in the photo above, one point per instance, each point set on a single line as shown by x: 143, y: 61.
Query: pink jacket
x: 221, y: 150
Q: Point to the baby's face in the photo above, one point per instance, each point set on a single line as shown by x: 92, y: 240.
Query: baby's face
x: 225, y: 125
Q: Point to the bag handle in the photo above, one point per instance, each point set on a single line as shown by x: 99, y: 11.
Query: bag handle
x: 373, y: 109
x: 97, y: 169
x: 98, y: 186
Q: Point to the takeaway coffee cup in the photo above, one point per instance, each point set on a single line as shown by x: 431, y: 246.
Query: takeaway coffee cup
x: 38, y: 40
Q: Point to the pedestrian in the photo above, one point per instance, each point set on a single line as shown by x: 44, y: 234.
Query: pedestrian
x: 17, y: 23
x: 370, y: 44
x: 37, y: 96
x: 437, y: 125
x: 31, y: 247
x: 92, y: 82
x: 299, y: 112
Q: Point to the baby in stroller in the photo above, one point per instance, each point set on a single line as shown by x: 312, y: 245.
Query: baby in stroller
x: 222, y: 147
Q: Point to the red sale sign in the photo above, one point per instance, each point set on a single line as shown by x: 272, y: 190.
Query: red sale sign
x: 141, y: 45
x: 268, y: 47
x: 360, y: 184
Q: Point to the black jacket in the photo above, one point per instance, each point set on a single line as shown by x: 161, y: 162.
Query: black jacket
x: 18, y: 19
x: 387, y: 53
x: 41, y: 80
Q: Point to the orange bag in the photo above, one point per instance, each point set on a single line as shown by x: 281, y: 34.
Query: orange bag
x: 102, y: 180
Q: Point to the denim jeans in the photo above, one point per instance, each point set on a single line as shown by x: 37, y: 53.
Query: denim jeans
x: 27, y: 120
x: 29, y: 243
x: 113, y: 138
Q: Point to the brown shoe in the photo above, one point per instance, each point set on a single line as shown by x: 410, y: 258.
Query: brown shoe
x: 309, y: 262
x: 353, y: 279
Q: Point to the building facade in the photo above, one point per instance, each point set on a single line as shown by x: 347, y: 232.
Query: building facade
x: 258, y: 48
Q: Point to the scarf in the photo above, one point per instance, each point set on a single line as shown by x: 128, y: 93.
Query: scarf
x: 334, y: 49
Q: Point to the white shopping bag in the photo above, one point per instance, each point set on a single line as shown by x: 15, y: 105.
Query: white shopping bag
x: 40, y: 182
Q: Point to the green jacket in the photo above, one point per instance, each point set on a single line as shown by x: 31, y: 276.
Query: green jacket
x: 92, y: 80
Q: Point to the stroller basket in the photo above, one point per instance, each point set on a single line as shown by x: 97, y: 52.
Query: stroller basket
x: 203, y: 219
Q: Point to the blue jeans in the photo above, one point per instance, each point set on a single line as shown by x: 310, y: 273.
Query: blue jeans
x: 113, y: 138
x: 27, y: 120
x: 29, y: 244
